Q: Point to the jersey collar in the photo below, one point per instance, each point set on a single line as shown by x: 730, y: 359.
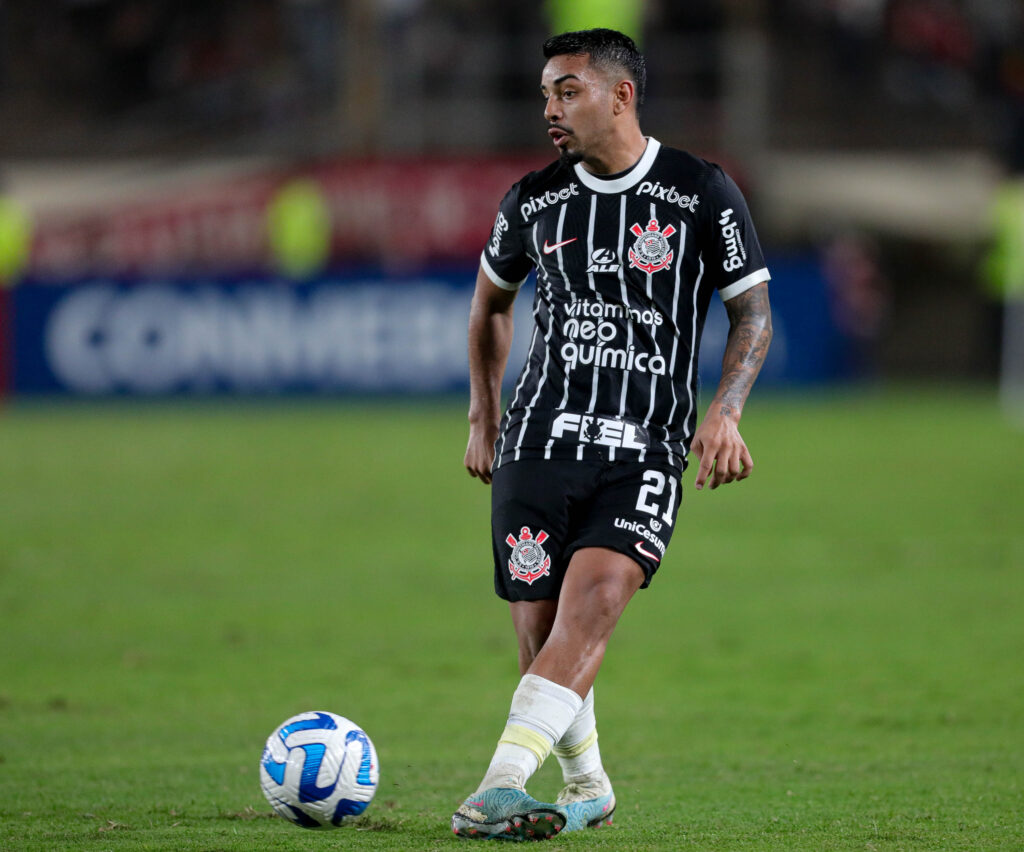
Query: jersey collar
x: 629, y: 179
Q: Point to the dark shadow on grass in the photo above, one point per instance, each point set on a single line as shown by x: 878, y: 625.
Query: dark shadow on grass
x: 246, y: 814
x: 374, y: 823
x: 371, y: 822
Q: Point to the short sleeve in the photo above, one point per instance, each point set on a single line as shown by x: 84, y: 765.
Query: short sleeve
x: 504, y: 260
x: 734, y: 260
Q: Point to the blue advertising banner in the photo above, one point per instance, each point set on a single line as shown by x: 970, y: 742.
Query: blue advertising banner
x: 143, y: 336
x: 807, y: 347
x: 337, y: 334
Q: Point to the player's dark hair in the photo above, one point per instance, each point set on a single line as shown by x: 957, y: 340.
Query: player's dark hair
x: 607, y: 49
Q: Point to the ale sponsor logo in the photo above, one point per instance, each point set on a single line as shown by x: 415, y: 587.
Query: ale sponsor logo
x: 603, y: 260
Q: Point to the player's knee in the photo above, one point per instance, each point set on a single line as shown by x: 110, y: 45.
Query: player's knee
x: 605, y: 594
x: 600, y: 611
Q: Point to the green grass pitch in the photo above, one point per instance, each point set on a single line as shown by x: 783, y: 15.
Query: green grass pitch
x: 832, y: 656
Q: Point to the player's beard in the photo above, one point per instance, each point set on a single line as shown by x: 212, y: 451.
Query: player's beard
x: 570, y: 158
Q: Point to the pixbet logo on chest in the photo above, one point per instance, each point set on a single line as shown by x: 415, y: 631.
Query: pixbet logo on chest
x: 549, y: 198
x: 669, y: 194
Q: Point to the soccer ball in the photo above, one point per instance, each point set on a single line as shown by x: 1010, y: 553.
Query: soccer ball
x: 319, y: 768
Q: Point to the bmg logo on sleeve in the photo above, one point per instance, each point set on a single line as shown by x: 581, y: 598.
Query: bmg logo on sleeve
x: 500, y: 227
x: 735, y: 254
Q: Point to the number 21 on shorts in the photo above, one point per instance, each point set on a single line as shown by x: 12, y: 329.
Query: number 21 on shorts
x: 652, y: 493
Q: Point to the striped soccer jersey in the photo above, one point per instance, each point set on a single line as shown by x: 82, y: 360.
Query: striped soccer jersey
x: 626, y: 267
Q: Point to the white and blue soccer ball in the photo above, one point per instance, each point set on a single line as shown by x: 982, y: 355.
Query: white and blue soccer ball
x: 319, y: 768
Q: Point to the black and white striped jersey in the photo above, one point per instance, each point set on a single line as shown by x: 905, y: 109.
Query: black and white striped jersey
x: 626, y: 266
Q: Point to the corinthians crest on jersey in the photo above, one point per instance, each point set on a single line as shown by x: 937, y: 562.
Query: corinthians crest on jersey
x: 650, y: 252
x: 529, y: 561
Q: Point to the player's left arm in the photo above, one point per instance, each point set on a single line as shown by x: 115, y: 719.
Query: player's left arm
x: 723, y: 455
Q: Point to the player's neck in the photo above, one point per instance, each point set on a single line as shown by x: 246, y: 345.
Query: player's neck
x: 618, y: 154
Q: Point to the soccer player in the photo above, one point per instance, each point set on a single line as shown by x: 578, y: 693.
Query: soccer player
x: 630, y: 239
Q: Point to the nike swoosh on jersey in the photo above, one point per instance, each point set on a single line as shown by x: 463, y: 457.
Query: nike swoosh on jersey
x: 548, y: 249
x: 639, y: 546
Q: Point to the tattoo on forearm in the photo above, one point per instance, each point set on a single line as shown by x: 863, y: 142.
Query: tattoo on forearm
x: 750, y: 332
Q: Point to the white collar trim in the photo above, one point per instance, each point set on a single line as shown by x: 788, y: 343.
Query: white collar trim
x: 629, y: 179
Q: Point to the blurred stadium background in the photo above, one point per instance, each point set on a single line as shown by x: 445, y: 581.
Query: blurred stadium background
x: 278, y: 196
x: 284, y: 201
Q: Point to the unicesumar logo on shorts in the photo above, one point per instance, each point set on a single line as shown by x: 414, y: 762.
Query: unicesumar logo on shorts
x: 650, y: 252
x: 529, y: 561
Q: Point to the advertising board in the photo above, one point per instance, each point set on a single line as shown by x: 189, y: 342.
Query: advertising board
x: 368, y: 333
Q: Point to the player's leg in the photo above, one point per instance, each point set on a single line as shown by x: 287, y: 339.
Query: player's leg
x: 529, y: 529
x: 501, y: 807
x: 565, y: 652
x: 633, y: 515
x: 587, y: 794
x: 533, y: 621
x: 598, y: 584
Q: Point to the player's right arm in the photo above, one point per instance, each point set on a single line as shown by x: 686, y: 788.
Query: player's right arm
x: 490, y: 338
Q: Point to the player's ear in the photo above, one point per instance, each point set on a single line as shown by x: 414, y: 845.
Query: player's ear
x: 623, y: 94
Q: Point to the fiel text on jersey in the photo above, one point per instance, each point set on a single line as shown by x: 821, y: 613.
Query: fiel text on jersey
x: 593, y: 429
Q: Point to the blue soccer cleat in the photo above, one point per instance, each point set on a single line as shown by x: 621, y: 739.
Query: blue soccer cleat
x: 587, y: 806
x: 505, y: 813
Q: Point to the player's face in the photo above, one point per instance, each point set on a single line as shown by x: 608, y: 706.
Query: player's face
x: 578, y: 105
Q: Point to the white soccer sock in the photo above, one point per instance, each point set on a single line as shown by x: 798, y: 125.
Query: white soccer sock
x: 541, y: 712
x: 577, y: 751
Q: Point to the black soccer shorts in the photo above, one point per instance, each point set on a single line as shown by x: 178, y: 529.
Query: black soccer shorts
x: 543, y: 511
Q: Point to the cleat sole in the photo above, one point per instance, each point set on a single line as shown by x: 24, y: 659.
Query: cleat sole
x: 534, y: 827
x: 604, y: 819
x: 513, y: 817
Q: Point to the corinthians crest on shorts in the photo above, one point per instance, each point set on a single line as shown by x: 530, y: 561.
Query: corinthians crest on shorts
x: 650, y: 252
x: 529, y: 561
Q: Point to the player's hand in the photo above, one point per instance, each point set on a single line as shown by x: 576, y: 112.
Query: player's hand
x: 480, y: 451
x: 723, y: 455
